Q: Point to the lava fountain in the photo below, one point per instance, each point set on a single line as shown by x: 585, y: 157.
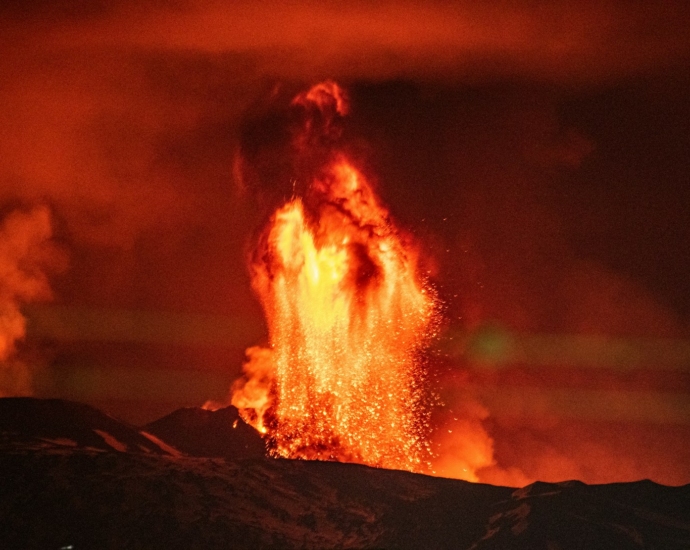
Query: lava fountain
x: 348, y: 317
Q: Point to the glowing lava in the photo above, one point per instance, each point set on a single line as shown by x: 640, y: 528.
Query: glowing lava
x: 348, y: 316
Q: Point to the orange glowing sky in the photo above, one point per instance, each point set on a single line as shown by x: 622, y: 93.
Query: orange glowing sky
x: 537, y: 153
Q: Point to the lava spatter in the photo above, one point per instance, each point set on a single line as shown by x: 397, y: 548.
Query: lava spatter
x: 348, y: 316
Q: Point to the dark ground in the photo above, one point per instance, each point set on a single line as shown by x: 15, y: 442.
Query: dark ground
x: 57, y: 492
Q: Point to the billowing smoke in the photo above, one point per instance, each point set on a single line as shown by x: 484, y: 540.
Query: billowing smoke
x: 27, y: 255
x: 554, y: 362
x: 539, y: 153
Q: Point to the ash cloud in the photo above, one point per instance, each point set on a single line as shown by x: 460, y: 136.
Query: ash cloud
x: 506, y: 168
x: 539, y: 152
x: 572, y: 41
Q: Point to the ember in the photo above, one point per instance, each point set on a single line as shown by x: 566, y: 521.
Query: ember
x: 348, y: 315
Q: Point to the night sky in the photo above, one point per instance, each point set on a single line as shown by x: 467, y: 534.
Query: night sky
x: 539, y: 154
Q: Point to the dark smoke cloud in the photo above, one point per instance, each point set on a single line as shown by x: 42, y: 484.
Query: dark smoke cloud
x: 504, y: 178
x: 539, y: 152
x: 562, y: 40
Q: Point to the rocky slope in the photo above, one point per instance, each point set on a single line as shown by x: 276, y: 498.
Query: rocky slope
x: 198, y: 432
x: 86, y: 496
x: 56, y: 423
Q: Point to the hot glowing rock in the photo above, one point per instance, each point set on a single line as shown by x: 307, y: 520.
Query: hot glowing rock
x: 348, y: 316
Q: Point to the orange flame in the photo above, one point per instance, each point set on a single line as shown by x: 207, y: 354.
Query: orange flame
x: 325, y: 94
x: 347, y: 317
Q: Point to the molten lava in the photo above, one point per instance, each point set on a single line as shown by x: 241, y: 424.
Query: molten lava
x: 348, y: 316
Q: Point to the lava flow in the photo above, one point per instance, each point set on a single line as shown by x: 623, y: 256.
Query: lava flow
x: 348, y: 316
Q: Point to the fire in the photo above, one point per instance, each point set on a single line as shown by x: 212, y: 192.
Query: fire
x: 322, y: 95
x: 348, y: 316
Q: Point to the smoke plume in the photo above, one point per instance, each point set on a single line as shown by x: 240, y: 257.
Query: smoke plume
x: 537, y: 150
x: 26, y: 256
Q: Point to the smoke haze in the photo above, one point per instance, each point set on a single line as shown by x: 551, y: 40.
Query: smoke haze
x: 27, y: 255
x: 538, y: 153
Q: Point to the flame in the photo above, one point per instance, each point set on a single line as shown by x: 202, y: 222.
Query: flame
x: 251, y: 395
x: 323, y: 95
x: 348, y: 316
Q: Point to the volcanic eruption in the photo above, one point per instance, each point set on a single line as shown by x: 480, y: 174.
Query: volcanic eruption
x: 348, y: 312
